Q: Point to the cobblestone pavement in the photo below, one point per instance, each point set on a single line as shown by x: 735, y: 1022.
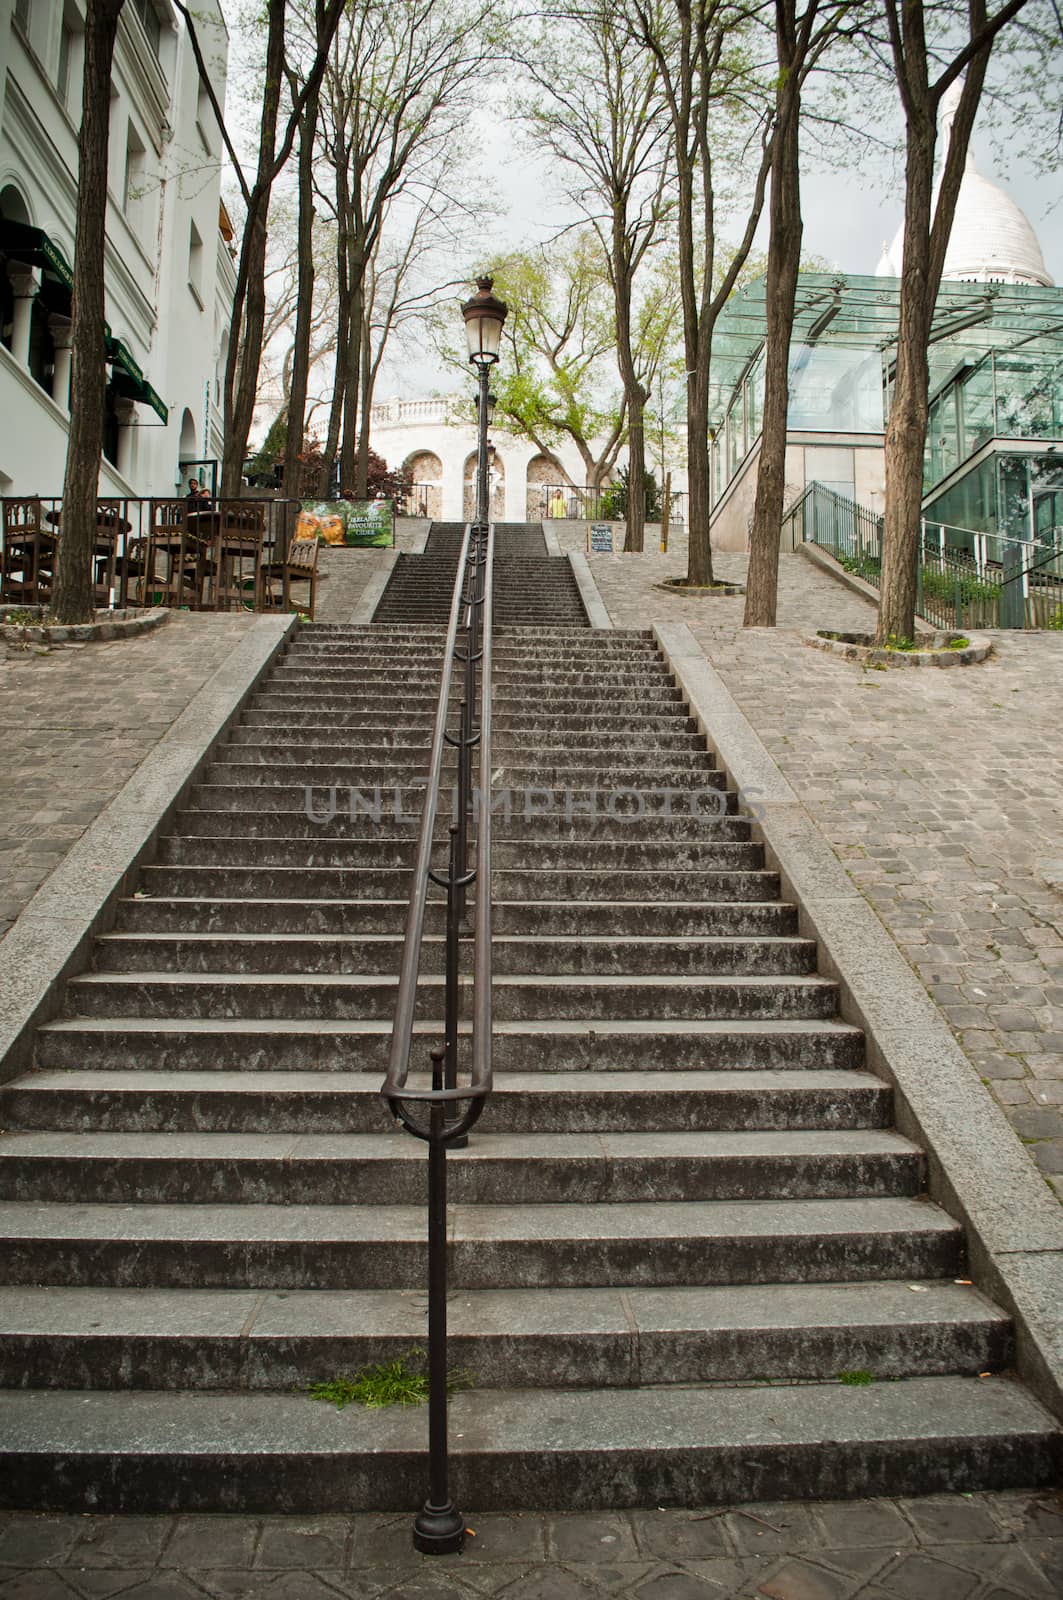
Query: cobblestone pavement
x: 958, y: 1547
x: 75, y: 723
x: 941, y: 791
x: 343, y: 574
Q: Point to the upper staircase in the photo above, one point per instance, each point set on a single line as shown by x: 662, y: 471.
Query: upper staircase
x: 692, y: 1259
x: 531, y: 587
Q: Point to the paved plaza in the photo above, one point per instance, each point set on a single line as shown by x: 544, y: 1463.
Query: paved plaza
x: 76, y: 721
x: 941, y: 792
x: 959, y: 1547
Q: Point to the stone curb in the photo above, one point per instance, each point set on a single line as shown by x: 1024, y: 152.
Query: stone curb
x: 553, y: 543
x: 593, y: 604
x: 977, y: 1168
x: 122, y: 625
x: 979, y: 649
x: 373, y: 592
x: 51, y: 937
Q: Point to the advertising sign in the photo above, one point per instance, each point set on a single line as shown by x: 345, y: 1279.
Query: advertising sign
x: 361, y: 523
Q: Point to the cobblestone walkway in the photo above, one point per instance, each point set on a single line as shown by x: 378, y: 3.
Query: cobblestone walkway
x: 76, y: 722
x: 960, y: 1547
x: 941, y: 791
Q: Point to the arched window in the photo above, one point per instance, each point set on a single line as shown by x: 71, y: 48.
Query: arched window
x: 425, y: 472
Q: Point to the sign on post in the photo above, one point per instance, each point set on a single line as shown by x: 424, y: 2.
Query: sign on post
x: 600, y: 536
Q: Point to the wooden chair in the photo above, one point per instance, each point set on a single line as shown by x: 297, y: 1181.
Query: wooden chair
x: 177, y: 560
x: 300, y: 566
x: 28, y: 558
x: 238, y: 580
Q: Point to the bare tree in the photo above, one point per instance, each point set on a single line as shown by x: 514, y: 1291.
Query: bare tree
x: 714, y: 101
x: 600, y: 110
x: 927, y: 62
x: 399, y: 86
x: 801, y: 37
x: 72, y: 590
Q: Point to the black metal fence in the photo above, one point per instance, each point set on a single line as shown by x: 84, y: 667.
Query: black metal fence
x: 598, y: 503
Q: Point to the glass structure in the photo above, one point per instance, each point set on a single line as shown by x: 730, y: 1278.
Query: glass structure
x: 994, y: 451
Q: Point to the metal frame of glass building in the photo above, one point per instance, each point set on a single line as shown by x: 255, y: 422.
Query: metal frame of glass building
x: 994, y: 455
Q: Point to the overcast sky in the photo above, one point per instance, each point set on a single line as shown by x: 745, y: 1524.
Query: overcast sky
x: 848, y: 218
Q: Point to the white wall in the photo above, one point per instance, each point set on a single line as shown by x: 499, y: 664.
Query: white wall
x: 163, y: 173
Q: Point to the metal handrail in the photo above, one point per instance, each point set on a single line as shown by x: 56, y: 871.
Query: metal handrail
x: 475, y: 563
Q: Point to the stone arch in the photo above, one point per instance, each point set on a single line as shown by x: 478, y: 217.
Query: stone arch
x: 425, y: 471
x: 13, y: 206
x: 497, y: 479
x: 542, y: 474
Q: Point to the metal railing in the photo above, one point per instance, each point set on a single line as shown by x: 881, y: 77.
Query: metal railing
x: 443, y: 1114
x: 548, y: 502
x: 964, y: 579
x: 210, y: 554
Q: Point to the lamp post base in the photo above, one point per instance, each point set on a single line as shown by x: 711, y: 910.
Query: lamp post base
x: 438, y: 1530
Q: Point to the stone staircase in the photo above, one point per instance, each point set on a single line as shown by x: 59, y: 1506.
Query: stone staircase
x: 530, y: 586
x: 685, y: 1234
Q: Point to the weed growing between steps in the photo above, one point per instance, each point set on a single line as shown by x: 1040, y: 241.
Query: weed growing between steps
x: 387, y: 1383
x: 857, y: 1379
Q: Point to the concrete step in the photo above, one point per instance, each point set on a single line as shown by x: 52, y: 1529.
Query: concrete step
x: 251, y: 1044
x: 202, y: 870
x: 527, y: 918
x: 348, y: 996
x: 619, y: 954
x: 293, y: 743
x: 204, y: 1339
x: 523, y: 1450
x: 388, y: 1168
x: 711, y: 833
x: 147, y: 1100
x: 212, y: 840
x: 491, y: 1246
x: 645, y: 789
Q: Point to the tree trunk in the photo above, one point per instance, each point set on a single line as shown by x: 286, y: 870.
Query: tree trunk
x: 635, y: 539
x: 352, y: 379
x: 699, y: 555
x: 906, y: 430
x: 339, y: 379
x: 784, y: 260
x: 72, y: 589
x: 304, y: 305
x: 365, y: 416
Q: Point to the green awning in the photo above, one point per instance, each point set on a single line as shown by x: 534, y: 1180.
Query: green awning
x: 32, y: 245
x: 129, y: 381
x: 120, y: 357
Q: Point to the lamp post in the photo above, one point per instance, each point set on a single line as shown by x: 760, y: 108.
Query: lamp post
x: 439, y: 1528
x: 484, y: 316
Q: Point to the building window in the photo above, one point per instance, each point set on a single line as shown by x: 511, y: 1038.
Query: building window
x: 135, y: 173
x: 149, y: 21
x: 23, y: 11
x: 195, y: 262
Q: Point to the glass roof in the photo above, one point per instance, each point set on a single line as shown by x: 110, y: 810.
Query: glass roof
x: 862, y: 313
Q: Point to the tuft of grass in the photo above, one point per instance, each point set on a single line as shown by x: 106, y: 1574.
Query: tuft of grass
x: 856, y: 1380
x: 386, y: 1383
x: 959, y: 643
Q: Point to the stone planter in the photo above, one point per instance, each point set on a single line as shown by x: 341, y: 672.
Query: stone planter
x: 934, y: 650
x: 108, y: 625
x: 707, y: 591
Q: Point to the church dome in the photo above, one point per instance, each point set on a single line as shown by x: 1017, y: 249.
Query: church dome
x: 991, y: 239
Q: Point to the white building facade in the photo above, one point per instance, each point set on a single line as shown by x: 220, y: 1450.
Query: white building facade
x: 440, y: 457
x: 168, y: 271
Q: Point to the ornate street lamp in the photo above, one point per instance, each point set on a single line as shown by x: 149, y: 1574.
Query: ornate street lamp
x: 484, y: 316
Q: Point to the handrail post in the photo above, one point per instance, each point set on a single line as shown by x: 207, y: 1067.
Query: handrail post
x: 439, y: 1528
